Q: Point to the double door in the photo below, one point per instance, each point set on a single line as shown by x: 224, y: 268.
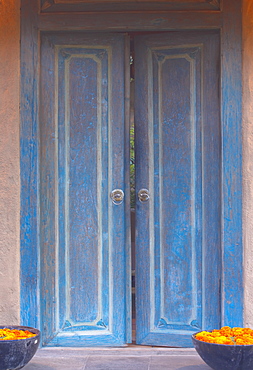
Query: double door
x: 85, y: 251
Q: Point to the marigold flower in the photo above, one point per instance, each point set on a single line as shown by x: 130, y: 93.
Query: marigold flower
x: 227, y: 335
x: 14, y: 334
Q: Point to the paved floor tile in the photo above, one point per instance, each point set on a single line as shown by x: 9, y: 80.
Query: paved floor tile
x: 40, y: 363
x: 177, y: 363
x: 63, y: 353
x: 117, y: 363
x: 131, y: 358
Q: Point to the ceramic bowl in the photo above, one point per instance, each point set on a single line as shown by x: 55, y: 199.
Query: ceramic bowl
x: 15, y: 354
x: 223, y: 356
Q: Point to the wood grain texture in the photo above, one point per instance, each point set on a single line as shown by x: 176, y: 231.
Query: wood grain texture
x: 231, y: 90
x: 178, y: 159
x: 128, y: 249
x: 221, y: 218
x: 29, y: 168
x: 123, y: 5
x: 48, y: 248
x: 83, y: 261
x: 131, y: 21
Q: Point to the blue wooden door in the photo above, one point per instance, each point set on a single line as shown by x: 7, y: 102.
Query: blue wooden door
x: 84, y: 197
x: 178, y: 162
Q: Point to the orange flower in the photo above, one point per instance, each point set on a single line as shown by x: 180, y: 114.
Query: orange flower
x: 14, y: 334
x: 227, y: 335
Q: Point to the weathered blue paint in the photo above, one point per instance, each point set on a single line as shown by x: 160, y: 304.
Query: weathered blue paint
x: 178, y: 159
x: 39, y: 268
x: 231, y: 95
x: 29, y: 168
x: 83, y: 236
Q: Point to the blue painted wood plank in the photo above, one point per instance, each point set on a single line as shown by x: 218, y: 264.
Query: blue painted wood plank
x: 129, y: 263
x: 83, y: 250
x: 79, y: 339
x: 231, y: 89
x: 178, y: 160
x: 29, y: 152
x: 211, y: 224
x: 228, y: 227
x: 49, y: 246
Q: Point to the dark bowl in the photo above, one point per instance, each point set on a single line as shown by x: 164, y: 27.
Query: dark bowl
x: 224, y: 356
x: 15, y: 354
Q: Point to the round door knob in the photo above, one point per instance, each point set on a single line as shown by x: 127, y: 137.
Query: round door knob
x: 143, y: 195
x: 117, y: 196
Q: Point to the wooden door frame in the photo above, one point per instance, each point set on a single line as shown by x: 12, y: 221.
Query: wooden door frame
x: 228, y: 21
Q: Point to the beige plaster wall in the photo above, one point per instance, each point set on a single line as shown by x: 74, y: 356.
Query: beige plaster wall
x: 248, y: 159
x: 9, y: 161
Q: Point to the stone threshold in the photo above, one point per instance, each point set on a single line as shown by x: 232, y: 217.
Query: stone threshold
x: 130, y: 350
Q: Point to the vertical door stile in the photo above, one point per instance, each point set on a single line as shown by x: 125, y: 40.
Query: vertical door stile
x: 143, y: 151
x: 30, y: 314
x: 127, y: 193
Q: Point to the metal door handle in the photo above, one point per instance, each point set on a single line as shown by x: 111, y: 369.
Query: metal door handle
x: 143, y: 195
x: 117, y: 196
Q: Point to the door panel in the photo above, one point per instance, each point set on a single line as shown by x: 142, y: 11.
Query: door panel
x: 177, y: 117
x: 83, y: 234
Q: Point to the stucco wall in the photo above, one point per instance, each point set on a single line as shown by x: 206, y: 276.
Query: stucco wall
x: 248, y: 158
x: 9, y: 161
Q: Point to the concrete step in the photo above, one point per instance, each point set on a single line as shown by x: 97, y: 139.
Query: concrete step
x: 123, y: 358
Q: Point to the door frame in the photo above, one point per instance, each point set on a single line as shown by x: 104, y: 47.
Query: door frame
x: 228, y: 20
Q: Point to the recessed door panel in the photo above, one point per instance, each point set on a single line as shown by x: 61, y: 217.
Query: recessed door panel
x: 177, y: 119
